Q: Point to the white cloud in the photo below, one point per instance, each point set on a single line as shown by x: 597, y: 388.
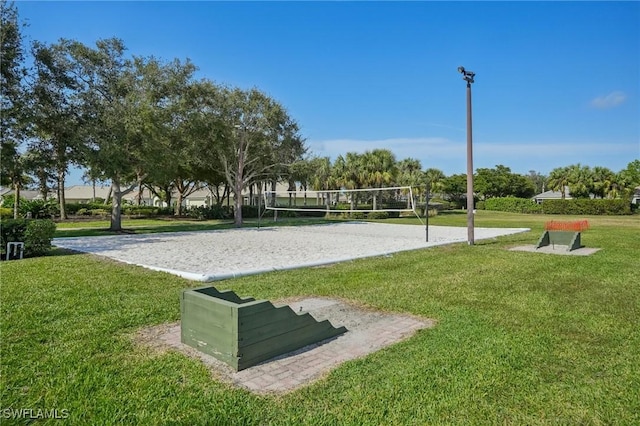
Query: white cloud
x: 611, y: 100
x: 401, y: 147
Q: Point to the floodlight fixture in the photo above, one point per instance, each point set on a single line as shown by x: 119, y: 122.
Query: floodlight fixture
x: 467, y: 75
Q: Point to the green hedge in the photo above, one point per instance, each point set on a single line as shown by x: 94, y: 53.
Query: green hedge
x: 132, y: 210
x: 581, y: 206
x: 510, y: 204
x: 36, y: 234
x: 211, y: 212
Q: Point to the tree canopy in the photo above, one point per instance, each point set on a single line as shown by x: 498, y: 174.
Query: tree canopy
x: 137, y: 121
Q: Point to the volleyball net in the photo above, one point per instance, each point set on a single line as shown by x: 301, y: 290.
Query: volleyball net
x: 398, y: 199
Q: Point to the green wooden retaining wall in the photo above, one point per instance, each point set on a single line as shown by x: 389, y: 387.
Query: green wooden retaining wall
x: 243, y: 331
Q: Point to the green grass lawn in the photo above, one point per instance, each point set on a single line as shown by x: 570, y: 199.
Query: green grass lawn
x: 521, y: 338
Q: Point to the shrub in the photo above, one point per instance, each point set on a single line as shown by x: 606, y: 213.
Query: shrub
x: 140, y: 210
x: 210, y: 212
x: 315, y: 213
x: 249, y: 212
x: 11, y: 230
x: 165, y: 211
x: 511, y: 204
x: 40, y: 209
x: 96, y: 205
x: 73, y: 208
x: 580, y: 206
x: 9, y: 200
x: 36, y: 234
x: 281, y: 213
x: 378, y: 215
x: 355, y: 215
x: 6, y: 213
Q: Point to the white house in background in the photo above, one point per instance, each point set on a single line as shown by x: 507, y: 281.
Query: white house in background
x: 24, y: 193
x: 556, y: 195
x: 552, y: 195
x: 4, y: 191
x: 199, y: 198
x: 635, y: 198
x: 84, y: 194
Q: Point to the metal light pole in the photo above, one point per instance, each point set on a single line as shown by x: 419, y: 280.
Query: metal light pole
x: 426, y: 210
x: 468, y: 77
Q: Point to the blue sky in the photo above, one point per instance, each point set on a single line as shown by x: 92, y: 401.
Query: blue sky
x: 557, y: 83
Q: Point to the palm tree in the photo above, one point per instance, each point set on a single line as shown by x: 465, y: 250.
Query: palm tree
x: 349, y: 173
x: 410, y: 174
x: 380, y: 167
x: 559, y: 179
x: 380, y: 170
x: 322, y: 177
x: 629, y: 178
x: 580, y: 181
x: 604, y: 183
x: 435, y: 180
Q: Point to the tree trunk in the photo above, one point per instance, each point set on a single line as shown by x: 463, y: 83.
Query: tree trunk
x: 44, y: 190
x: 16, y: 200
x: 116, y: 213
x: 237, y: 210
x: 139, y: 197
x: 273, y: 193
x: 305, y: 195
x: 237, y: 204
x: 176, y: 211
x: 61, y: 199
x: 116, y: 209
x: 167, y: 197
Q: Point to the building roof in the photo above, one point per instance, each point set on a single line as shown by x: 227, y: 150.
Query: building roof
x: 24, y: 193
x: 85, y: 192
x: 553, y: 195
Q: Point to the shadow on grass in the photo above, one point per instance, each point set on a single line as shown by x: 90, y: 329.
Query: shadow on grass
x: 182, y: 227
x: 150, y: 229
x: 451, y: 212
x: 54, y: 252
x: 60, y: 252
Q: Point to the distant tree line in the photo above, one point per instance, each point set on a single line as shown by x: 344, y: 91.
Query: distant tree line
x: 140, y: 122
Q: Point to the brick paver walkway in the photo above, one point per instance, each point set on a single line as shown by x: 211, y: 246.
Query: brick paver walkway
x: 368, y: 331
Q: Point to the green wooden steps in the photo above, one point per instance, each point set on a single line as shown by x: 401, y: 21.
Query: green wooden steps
x: 243, y: 331
x: 566, y: 238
